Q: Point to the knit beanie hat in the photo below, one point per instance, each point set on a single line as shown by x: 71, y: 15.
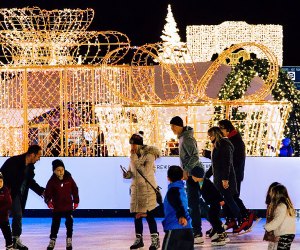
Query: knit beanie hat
x: 176, y: 120
x: 198, y: 172
x: 57, y: 163
x: 136, y: 139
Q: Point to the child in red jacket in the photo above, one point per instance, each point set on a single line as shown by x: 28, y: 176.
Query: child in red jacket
x: 5, y: 205
x: 61, y: 195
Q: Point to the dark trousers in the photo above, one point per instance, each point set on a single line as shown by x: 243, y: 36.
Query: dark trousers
x: 230, y: 204
x: 194, y: 194
x: 56, y: 219
x: 178, y: 239
x: 17, y: 214
x: 138, y: 223
x: 239, y: 202
x: 5, y: 228
x: 214, y: 217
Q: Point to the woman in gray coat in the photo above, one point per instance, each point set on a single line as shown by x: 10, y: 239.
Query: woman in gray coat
x: 143, y: 196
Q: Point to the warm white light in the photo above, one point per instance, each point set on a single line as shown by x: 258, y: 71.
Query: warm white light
x: 205, y: 40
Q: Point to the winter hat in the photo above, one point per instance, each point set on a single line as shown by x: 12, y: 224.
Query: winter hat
x: 57, y: 163
x: 176, y: 120
x: 137, y: 138
x: 197, y: 172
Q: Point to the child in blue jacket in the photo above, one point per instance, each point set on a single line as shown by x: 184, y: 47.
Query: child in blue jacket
x: 177, y: 222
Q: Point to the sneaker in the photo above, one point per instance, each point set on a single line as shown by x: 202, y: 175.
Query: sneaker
x: 155, y: 244
x: 230, y: 223
x: 138, y: 243
x: 219, y: 240
x: 243, y: 225
x: 208, y: 232
x: 10, y: 247
x: 69, y: 244
x: 51, y: 244
x: 17, y: 244
x: 198, y: 239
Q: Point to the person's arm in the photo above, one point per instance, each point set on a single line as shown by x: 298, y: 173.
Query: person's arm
x: 75, y: 192
x: 279, y: 215
x: 191, y: 154
x: 209, y: 172
x: 225, y: 154
x: 206, y: 153
x: 173, y: 197
x: 36, y: 188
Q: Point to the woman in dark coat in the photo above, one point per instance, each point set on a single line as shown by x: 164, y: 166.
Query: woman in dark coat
x: 223, y: 172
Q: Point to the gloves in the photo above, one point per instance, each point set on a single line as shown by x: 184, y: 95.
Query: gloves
x: 50, y: 205
x: 75, y: 206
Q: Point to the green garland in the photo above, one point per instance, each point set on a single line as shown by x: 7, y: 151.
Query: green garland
x: 238, y: 80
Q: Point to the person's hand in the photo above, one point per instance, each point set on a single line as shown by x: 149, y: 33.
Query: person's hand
x: 225, y: 184
x: 203, y: 152
x: 185, y: 175
x: 140, y: 215
x: 222, y: 203
x: 127, y: 175
x: 75, y: 206
x: 50, y: 205
x: 182, y: 221
x: 43, y: 194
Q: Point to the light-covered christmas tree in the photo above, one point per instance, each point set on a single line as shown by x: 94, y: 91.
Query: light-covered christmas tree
x: 172, y: 50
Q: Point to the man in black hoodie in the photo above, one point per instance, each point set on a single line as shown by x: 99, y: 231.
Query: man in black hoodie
x: 18, y: 173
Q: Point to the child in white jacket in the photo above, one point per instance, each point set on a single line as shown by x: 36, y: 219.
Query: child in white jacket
x: 284, y: 219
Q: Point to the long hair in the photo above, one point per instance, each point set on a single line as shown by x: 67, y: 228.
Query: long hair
x: 217, y: 133
x: 226, y: 124
x: 268, y: 195
x: 279, y: 194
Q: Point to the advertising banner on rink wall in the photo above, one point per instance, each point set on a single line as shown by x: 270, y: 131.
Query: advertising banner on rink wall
x: 101, y: 185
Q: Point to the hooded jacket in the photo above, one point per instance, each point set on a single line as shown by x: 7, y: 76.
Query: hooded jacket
x: 188, y: 150
x: 62, y: 193
x: 176, y: 206
x: 143, y: 196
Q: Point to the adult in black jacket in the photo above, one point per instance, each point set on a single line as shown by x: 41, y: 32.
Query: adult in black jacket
x: 239, y: 158
x: 224, y: 175
x: 18, y: 173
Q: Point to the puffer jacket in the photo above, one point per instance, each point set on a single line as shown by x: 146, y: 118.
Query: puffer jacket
x: 143, y: 197
x: 188, y: 150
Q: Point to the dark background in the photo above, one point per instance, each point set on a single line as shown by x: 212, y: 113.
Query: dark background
x: 143, y: 21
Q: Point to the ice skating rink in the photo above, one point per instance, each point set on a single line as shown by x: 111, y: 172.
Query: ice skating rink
x: 118, y: 233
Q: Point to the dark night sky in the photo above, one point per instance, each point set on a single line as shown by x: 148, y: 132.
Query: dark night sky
x: 143, y: 21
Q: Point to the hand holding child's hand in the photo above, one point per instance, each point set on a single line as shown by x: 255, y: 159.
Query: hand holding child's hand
x: 50, y: 205
x: 182, y: 221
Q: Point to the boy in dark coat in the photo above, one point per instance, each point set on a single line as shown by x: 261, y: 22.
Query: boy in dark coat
x: 177, y: 222
x: 5, y: 206
x: 61, y: 195
x: 214, y: 199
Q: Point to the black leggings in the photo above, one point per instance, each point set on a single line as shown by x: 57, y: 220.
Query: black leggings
x: 285, y: 241
x: 5, y: 228
x: 138, y: 223
x: 56, y: 218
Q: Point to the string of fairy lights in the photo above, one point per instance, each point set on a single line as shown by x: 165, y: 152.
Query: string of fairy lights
x: 66, y: 77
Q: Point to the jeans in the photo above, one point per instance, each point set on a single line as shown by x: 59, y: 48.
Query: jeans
x: 193, y: 194
x: 17, y: 214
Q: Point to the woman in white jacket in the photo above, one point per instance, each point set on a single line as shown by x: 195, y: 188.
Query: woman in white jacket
x: 284, y: 218
x: 143, y: 196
